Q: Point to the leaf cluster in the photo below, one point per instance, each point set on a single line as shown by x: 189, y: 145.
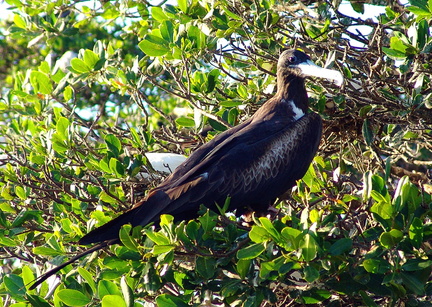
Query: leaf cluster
x: 88, y: 90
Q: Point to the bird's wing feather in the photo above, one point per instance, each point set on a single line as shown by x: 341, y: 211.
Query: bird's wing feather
x: 254, y: 166
x: 198, y: 155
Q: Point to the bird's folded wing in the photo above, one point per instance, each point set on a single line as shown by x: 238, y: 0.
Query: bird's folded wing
x: 242, y: 162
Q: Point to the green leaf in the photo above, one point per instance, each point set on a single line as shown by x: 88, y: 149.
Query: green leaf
x: 216, y: 125
x: 423, y: 4
x: 251, y: 252
x: 232, y: 15
x: 357, y: 6
x: 316, y: 296
x: 341, y: 246
x: 309, y: 248
x: 413, y: 283
x: 14, y: 284
x: 422, y: 12
x: 73, y: 297
x: 126, y: 238
x: 208, y: 221
x: 113, y: 300
x: 20, y: 192
x: 205, y: 266
x: 212, y: 78
x: 114, y: 145
x: 154, y: 46
x: 267, y: 224
x: 166, y: 220
x: 185, y: 122
x: 367, y: 299
x: 46, y: 251
x: 192, y: 230
x: 367, y: 132
x: 19, y: 21
x: 292, y: 236
x: 107, y: 198
x: 416, y: 232
x: 183, y: 5
x: 89, y: 278
x: 90, y: 58
x: 5, y: 241
x: 416, y: 265
x: 79, y: 66
x: 394, y: 53
x: 41, y: 83
x: 138, y: 143
x: 398, y: 45
x: 243, y: 267
x: 58, y: 145
x: 68, y: 93
x: 106, y: 287
x: 62, y: 126
x: 127, y: 292
x: 197, y: 36
x: 167, y: 300
x: 27, y: 275
x: 117, y: 167
x: 158, y: 14
x: 311, y: 274
x: 162, y: 249
x: 167, y: 31
x: 422, y: 34
x: 376, y: 266
x: 383, y: 209
x: 35, y: 301
x: 310, y: 178
x: 27, y: 215
x: 391, y: 238
x: 259, y: 234
x: 157, y: 237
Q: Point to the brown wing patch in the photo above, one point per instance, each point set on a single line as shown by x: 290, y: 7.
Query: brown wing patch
x: 176, y: 192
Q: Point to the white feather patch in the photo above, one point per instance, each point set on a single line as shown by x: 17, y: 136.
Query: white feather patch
x: 298, y: 113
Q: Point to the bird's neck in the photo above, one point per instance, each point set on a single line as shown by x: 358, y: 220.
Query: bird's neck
x: 292, y: 88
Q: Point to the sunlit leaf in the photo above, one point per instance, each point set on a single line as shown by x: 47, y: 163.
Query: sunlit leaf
x: 251, y: 251
x: 73, y: 297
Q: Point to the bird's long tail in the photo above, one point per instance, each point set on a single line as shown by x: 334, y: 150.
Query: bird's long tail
x: 110, y: 230
x: 51, y: 272
x: 144, y: 212
x: 105, y: 235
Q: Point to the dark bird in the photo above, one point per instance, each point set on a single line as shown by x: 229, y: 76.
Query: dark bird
x: 253, y: 163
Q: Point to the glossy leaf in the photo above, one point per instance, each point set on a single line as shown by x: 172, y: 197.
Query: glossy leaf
x: 308, y: 247
x: 154, y: 46
x: 113, y: 300
x: 73, y: 297
x: 391, y: 238
x: 251, y: 251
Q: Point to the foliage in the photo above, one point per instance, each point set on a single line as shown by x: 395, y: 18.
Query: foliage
x: 88, y: 88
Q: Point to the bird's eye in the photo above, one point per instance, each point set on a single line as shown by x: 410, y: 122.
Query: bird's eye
x: 292, y: 59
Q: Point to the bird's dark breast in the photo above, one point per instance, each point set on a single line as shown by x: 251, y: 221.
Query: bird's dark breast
x: 281, y: 163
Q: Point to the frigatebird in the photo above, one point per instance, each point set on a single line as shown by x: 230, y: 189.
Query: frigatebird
x: 253, y: 163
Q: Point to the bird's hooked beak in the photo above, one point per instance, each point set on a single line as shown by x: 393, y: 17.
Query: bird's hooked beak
x: 309, y: 68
